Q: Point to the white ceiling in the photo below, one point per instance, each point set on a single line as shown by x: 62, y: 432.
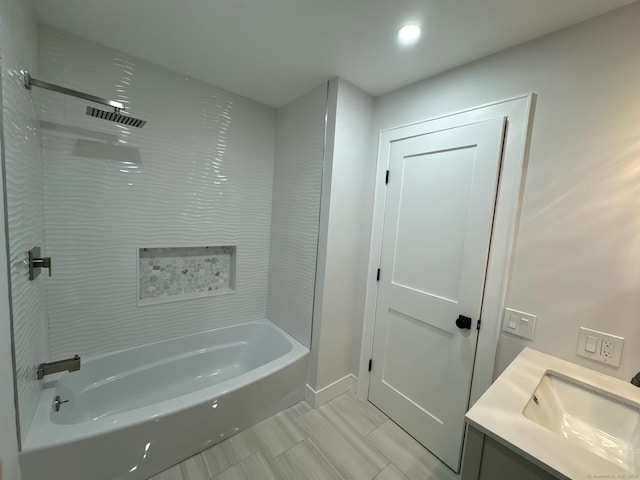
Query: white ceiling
x: 273, y: 51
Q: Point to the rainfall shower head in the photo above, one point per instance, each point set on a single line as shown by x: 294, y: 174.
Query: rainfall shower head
x: 115, y: 116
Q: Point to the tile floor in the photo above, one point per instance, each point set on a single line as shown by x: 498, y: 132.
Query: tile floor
x: 346, y: 439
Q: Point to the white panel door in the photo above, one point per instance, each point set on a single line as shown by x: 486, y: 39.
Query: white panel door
x: 437, y: 228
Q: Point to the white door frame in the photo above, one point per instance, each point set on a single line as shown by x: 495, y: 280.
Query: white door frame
x: 519, y: 113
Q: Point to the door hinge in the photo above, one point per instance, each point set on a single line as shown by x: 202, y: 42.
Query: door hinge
x: 370, y: 363
x: 378, y: 276
x: 479, y: 322
x: 386, y: 178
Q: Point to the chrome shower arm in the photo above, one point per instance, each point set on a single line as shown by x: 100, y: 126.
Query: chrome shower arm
x: 29, y: 82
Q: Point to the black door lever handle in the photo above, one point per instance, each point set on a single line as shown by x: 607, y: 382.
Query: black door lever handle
x: 463, y: 322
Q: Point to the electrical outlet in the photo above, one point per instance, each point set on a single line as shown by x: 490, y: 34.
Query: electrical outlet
x: 607, y: 349
x: 600, y: 346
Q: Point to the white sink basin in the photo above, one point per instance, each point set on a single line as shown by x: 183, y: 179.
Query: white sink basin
x: 591, y: 418
x: 584, y: 425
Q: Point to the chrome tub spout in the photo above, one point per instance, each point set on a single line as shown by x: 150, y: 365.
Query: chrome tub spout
x: 68, y: 365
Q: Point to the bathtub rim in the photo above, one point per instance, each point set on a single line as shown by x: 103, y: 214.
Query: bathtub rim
x: 43, y: 433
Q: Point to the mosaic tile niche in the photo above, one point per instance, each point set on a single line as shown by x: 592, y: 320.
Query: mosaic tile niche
x: 183, y: 273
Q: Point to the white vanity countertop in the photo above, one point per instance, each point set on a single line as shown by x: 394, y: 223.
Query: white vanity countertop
x: 498, y: 414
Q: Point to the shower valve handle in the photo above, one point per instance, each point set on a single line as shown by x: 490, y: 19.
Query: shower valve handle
x: 43, y: 263
x: 36, y: 262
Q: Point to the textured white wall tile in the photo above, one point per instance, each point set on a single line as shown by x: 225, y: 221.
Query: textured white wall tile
x: 296, y: 209
x: 199, y: 173
x: 19, y: 50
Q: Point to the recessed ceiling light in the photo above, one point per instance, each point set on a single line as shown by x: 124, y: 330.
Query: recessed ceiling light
x: 409, y: 34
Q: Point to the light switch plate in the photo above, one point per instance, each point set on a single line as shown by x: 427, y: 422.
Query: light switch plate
x: 591, y: 345
x: 600, y: 346
x: 519, y: 323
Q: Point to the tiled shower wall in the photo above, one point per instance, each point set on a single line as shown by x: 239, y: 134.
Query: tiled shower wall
x: 296, y: 210
x: 23, y: 163
x: 200, y: 173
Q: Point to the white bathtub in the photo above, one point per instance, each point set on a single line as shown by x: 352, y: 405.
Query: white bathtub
x: 136, y: 412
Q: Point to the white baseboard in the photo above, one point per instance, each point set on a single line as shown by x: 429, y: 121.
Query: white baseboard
x: 326, y: 394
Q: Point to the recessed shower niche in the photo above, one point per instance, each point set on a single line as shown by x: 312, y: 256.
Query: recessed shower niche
x: 182, y: 273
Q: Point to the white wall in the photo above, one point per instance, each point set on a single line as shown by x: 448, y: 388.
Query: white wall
x: 578, y: 242
x: 343, y: 233
x: 296, y: 205
x: 200, y: 173
x: 23, y: 162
